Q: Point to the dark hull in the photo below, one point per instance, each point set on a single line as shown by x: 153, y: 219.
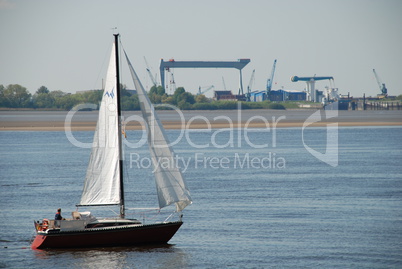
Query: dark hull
x: 159, y: 233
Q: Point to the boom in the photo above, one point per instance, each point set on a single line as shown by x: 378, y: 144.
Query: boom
x: 149, y: 73
x: 271, y: 78
x: 381, y: 85
x: 296, y: 78
x: 250, y: 85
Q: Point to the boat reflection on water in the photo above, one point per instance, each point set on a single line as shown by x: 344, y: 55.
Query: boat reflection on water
x: 159, y: 256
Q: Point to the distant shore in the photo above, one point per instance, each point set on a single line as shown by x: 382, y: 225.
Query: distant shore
x: 216, y: 119
x: 90, y: 126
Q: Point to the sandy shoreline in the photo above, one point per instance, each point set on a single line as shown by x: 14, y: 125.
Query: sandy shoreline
x: 86, y: 121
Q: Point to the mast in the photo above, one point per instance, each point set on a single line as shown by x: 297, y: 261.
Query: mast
x: 122, y: 209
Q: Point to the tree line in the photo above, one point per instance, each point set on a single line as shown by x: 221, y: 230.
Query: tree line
x: 17, y: 96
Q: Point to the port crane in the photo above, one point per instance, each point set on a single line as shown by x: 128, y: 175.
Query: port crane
x: 154, y: 82
x: 270, y: 80
x: 224, y: 84
x: 310, y: 82
x: 383, y: 89
x: 250, y: 86
x: 204, y: 91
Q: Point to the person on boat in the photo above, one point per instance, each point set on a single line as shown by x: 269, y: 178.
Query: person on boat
x: 58, y: 215
x: 58, y: 218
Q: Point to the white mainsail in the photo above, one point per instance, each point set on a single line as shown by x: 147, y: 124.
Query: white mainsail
x: 170, y: 184
x: 102, y: 182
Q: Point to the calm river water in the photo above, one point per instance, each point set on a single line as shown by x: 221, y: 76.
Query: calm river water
x: 262, y: 199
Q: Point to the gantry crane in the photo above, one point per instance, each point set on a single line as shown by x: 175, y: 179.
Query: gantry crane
x: 383, y: 89
x: 310, y: 81
x: 172, y: 63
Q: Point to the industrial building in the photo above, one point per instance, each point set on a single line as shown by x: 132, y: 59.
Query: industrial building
x: 278, y: 95
x: 287, y: 95
x: 258, y: 96
x: 228, y: 96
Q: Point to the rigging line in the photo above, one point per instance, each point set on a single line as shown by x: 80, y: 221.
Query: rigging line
x: 170, y: 216
x: 121, y: 64
x: 123, y: 123
x: 101, y: 69
x: 125, y: 171
x: 150, y: 218
x: 116, y: 213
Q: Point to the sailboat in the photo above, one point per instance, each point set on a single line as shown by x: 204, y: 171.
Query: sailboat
x: 104, y: 180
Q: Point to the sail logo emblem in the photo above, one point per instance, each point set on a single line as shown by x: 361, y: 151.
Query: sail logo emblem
x: 111, y: 94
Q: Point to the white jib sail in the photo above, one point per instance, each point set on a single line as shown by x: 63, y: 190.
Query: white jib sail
x: 170, y: 184
x: 102, y: 184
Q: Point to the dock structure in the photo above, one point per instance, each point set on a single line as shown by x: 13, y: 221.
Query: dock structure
x: 239, y: 64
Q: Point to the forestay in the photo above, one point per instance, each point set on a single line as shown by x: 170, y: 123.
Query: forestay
x: 170, y: 184
x: 102, y: 182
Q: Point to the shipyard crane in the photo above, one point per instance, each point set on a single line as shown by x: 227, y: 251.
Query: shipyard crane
x: 172, y: 63
x: 270, y: 80
x: 250, y: 86
x: 224, y: 84
x: 149, y: 73
x: 383, y: 89
x: 310, y: 82
x: 204, y: 91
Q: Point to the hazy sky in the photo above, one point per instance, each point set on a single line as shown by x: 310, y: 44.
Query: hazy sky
x: 65, y: 45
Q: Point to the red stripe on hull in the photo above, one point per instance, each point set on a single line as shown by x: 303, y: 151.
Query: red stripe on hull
x: 159, y: 233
